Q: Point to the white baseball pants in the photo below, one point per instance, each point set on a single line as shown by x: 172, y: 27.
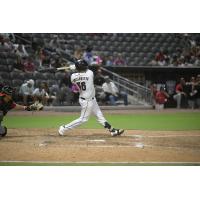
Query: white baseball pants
x: 88, y: 107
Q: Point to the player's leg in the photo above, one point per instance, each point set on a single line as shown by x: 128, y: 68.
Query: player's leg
x: 86, y: 109
x: 112, y: 100
x: 100, y: 118
x: 177, y: 98
x: 125, y: 97
x: 3, y: 129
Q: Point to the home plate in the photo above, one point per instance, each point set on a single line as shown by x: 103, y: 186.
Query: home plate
x: 139, y: 145
x: 42, y: 145
x: 96, y: 140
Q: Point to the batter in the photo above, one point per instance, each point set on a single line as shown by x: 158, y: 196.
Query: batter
x: 84, y: 79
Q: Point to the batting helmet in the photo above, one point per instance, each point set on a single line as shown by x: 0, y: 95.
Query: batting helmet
x: 81, y: 65
x: 7, y: 90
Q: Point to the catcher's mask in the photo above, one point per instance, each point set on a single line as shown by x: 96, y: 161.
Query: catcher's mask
x: 81, y: 65
x: 7, y: 90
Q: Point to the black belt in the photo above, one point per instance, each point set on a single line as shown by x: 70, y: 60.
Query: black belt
x: 85, y: 99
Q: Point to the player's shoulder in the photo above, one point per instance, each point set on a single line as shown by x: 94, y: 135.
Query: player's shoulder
x: 74, y: 76
x: 90, y: 72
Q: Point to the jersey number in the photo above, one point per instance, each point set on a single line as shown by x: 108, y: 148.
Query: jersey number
x: 82, y: 85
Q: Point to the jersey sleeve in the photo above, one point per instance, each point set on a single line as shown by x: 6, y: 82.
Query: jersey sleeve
x: 72, y: 78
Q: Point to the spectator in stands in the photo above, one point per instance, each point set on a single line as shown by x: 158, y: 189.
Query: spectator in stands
x: 26, y: 91
x: 20, y: 51
x: 29, y: 65
x: 191, y: 93
x: 99, y: 78
x: 8, y: 36
x: 40, y: 54
x: 4, y: 38
x: 161, y: 98
x: 113, y: 93
x: 159, y: 57
x: 18, y: 65
x: 39, y: 94
x: 98, y: 82
x: 96, y: 59
x: 49, y: 98
x: 66, y: 80
x: 78, y: 53
x: 162, y: 58
x: 180, y: 94
x: 88, y: 55
x: 57, y: 62
x: 54, y: 43
x: 109, y: 61
x: 119, y: 60
x: 153, y: 89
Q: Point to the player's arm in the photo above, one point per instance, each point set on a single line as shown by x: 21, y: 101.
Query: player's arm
x: 73, y: 82
x: 19, y: 107
x: 35, y: 106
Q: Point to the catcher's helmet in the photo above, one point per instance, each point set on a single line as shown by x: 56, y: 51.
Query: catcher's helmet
x: 81, y: 65
x: 7, y: 90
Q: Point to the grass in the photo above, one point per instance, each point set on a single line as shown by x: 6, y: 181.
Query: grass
x: 156, y: 121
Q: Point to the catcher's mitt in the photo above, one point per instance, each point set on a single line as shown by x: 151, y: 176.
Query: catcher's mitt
x: 36, y: 106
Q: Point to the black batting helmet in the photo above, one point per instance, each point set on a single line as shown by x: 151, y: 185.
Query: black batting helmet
x: 7, y: 90
x: 81, y: 65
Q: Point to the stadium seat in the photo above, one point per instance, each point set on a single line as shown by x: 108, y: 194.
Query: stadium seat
x: 59, y: 75
x: 51, y: 82
x: 3, y: 61
x: 17, y: 82
x: 7, y: 82
x: 38, y: 75
x: 17, y: 75
x: 38, y: 82
x: 4, y: 68
x: 48, y: 75
x: 5, y: 75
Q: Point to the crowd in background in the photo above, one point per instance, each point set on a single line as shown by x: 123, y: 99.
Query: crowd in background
x: 37, y: 57
x: 186, y: 94
x: 188, y: 56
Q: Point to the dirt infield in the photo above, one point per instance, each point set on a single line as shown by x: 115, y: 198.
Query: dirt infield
x: 96, y: 145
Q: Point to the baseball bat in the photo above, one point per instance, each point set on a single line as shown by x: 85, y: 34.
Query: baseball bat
x: 63, y: 68
x: 66, y: 68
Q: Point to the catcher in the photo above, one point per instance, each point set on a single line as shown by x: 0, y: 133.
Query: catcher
x: 7, y: 103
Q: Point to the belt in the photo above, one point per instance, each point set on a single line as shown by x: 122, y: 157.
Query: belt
x: 86, y: 99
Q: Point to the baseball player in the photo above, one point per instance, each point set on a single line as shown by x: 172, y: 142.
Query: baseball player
x: 7, y: 103
x: 84, y: 80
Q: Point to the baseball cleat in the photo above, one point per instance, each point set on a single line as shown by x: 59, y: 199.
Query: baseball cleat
x: 4, y: 131
x: 115, y: 132
x: 61, y: 131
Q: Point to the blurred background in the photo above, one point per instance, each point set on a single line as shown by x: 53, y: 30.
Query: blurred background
x: 156, y: 70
